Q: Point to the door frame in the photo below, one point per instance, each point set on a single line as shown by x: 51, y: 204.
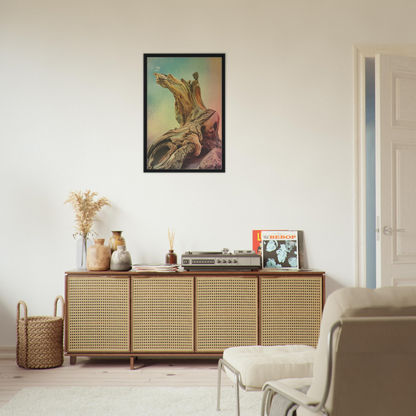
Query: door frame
x: 360, y: 53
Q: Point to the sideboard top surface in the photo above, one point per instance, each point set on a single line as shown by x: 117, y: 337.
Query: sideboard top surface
x: 262, y: 272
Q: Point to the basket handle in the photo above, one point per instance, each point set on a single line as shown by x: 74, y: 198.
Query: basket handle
x: 24, y: 340
x: 21, y: 302
x: 56, y: 306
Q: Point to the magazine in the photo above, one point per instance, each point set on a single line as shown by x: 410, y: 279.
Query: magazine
x: 279, y: 248
x: 155, y: 267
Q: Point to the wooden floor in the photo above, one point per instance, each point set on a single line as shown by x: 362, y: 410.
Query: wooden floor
x: 109, y: 372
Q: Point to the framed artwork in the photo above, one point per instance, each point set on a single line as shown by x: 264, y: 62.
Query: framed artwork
x: 184, y: 112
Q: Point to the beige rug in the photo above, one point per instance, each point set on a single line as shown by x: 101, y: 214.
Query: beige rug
x: 130, y: 401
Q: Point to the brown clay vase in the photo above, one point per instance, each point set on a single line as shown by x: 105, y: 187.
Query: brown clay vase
x: 116, y: 240
x: 98, y: 256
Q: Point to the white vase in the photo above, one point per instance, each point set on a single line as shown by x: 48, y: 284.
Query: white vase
x: 120, y: 259
x: 81, y: 252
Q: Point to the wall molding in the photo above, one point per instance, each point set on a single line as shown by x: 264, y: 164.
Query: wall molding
x: 359, y: 170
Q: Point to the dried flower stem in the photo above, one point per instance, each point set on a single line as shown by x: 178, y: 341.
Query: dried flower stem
x: 85, y: 210
x: 171, y: 236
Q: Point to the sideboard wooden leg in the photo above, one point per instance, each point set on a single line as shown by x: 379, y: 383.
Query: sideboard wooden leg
x: 131, y: 363
x: 72, y: 359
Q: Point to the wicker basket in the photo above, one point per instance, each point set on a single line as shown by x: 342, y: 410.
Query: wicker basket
x: 40, y: 338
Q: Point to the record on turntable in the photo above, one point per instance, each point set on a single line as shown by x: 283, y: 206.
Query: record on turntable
x: 240, y: 260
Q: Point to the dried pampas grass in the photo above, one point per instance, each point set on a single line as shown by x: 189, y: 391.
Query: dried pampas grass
x: 85, y: 210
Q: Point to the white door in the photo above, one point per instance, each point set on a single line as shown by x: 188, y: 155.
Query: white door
x: 396, y: 170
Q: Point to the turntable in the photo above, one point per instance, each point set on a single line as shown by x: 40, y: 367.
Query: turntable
x: 240, y: 260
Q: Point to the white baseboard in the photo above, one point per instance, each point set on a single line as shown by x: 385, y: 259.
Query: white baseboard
x: 7, y: 352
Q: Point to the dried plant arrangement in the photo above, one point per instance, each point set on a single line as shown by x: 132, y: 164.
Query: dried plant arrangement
x: 85, y: 210
x: 171, y: 236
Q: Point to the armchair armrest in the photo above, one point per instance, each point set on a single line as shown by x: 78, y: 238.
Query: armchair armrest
x: 291, y: 393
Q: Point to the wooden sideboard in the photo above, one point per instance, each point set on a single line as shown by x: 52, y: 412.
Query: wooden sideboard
x: 136, y: 314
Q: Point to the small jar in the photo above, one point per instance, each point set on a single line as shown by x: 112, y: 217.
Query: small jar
x: 171, y: 258
x: 116, y: 240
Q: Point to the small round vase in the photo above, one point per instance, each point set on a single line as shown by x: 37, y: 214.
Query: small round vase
x: 116, y: 240
x: 121, y: 259
x: 82, y: 246
x: 98, y: 256
x: 171, y: 258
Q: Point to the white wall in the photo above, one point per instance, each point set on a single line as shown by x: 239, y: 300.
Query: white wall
x: 71, y: 118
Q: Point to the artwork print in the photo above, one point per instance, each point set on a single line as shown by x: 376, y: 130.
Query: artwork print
x: 280, y: 253
x: 184, y: 113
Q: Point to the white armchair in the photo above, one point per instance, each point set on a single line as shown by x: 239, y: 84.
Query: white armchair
x: 365, y: 363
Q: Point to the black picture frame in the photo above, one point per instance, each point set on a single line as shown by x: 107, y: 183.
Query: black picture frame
x: 184, y: 112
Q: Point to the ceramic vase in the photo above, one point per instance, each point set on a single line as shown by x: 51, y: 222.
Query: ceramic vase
x: 98, y: 256
x: 121, y: 259
x: 171, y: 258
x: 116, y: 240
x: 82, y: 246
